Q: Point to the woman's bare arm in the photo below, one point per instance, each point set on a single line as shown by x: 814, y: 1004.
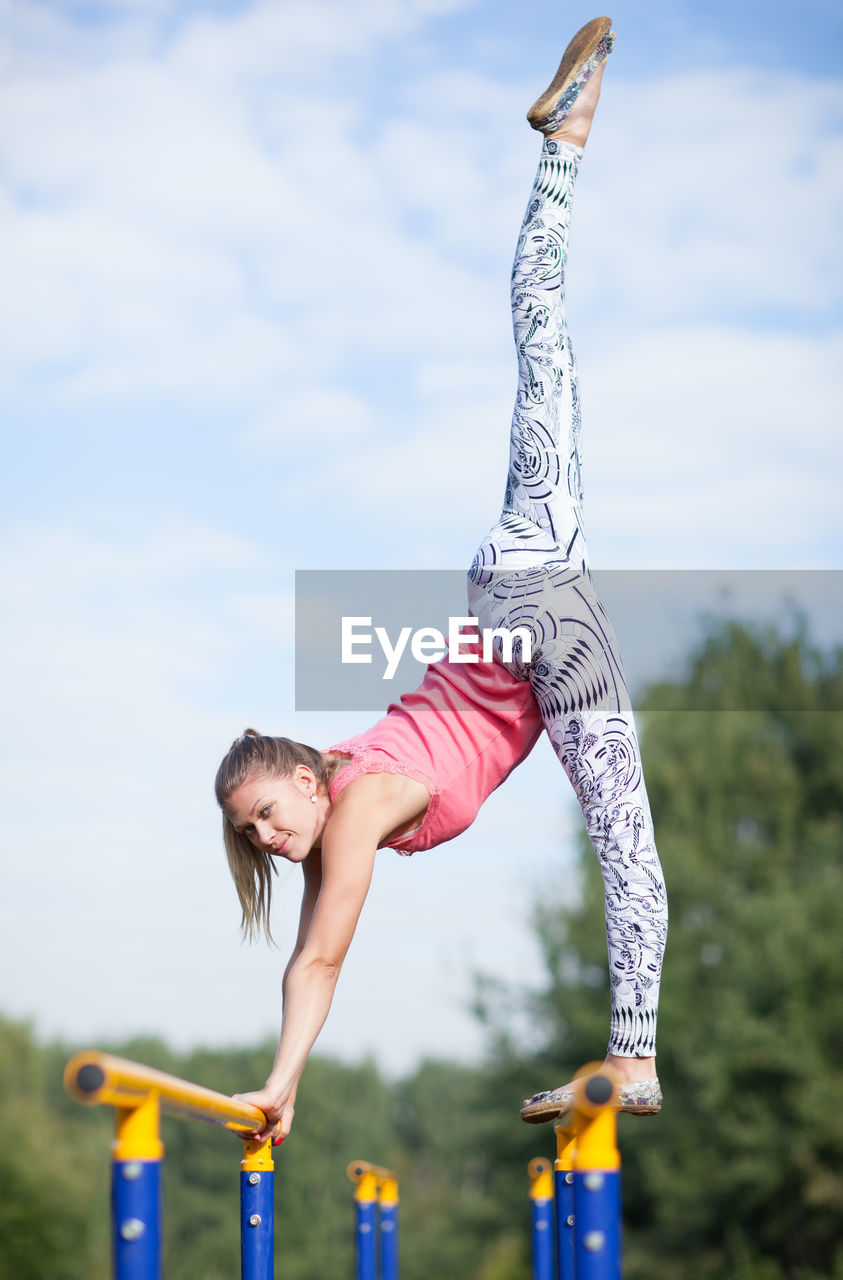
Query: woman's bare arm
x: 349, y: 845
x: 312, y: 868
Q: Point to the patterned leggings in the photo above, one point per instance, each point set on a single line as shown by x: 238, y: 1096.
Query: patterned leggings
x: 532, y: 571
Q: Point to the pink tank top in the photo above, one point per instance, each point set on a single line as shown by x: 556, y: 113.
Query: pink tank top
x: 460, y: 734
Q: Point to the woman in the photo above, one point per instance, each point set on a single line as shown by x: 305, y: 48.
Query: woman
x: 419, y: 776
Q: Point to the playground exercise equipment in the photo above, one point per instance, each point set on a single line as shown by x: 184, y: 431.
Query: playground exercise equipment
x: 376, y: 1203
x: 139, y: 1094
x: 586, y: 1187
x: 584, y: 1184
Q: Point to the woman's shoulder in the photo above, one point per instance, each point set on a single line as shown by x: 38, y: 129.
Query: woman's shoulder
x: 351, y: 762
x: 395, y: 797
x: 343, y: 764
x: 335, y: 761
x: 382, y: 783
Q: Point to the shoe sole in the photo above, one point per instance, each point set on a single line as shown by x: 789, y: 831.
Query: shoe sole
x: 541, y: 1113
x: 578, y: 51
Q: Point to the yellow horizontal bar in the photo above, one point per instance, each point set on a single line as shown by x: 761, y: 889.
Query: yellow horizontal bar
x: 358, y: 1168
x: 373, y: 1182
x: 100, y: 1079
x: 596, y: 1141
x: 605, y: 1077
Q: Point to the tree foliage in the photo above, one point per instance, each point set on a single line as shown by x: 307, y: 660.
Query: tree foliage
x: 742, y: 1173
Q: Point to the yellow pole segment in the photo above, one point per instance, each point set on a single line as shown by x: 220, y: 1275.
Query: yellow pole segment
x: 597, y: 1148
x: 373, y: 1182
x: 388, y: 1191
x: 541, y: 1179
x: 138, y: 1135
x: 257, y: 1156
x: 367, y: 1187
x: 566, y: 1145
x: 100, y: 1079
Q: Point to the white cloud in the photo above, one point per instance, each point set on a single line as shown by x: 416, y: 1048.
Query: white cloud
x: 49, y: 563
x: 703, y: 446
x: 305, y: 421
x: 112, y: 643
x: 695, y: 204
x: 170, y: 238
x: 714, y: 446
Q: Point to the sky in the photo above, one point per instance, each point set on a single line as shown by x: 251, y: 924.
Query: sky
x: 255, y: 319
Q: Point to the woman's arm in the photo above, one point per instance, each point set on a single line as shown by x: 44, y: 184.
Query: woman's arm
x: 349, y: 845
x: 312, y: 868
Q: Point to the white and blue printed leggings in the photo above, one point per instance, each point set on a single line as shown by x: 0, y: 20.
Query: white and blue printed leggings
x: 532, y: 571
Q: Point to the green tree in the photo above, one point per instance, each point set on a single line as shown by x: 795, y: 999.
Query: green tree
x: 742, y: 1173
x: 50, y: 1173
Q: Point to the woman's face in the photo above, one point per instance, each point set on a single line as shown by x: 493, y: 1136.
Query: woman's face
x: 277, y: 814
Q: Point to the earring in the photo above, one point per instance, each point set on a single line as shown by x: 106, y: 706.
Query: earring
x: 313, y: 799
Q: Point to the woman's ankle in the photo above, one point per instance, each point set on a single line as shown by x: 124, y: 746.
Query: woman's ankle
x: 632, y: 1069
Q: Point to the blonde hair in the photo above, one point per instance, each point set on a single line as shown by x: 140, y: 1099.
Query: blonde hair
x: 251, y: 755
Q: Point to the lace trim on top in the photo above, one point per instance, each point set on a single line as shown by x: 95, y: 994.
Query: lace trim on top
x: 362, y: 763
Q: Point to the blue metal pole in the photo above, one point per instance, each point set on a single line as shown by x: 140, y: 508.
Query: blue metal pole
x: 389, y: 1240
x: 136, y: 1158
x: 541, y: 1200
x: 366, y: 1239
x: 257, y: 1212
x: 136, y: 1215
x: 597, y: 1212
x: 542, y: 1240
x: 563, y: 1178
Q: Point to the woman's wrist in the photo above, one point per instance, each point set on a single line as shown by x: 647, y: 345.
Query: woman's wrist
x: 281, y: 1085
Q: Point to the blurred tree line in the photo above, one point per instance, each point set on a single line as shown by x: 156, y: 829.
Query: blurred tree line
x: 740, y: 1176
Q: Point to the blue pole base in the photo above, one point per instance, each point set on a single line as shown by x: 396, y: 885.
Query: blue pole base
x: 542, y: 1239
x: 257, y: 1225
x: 136, y: 1219
x: 367, y: 1244
x: 597, y: 1225
x: 389, y: 1241
x: 564, y: 1183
